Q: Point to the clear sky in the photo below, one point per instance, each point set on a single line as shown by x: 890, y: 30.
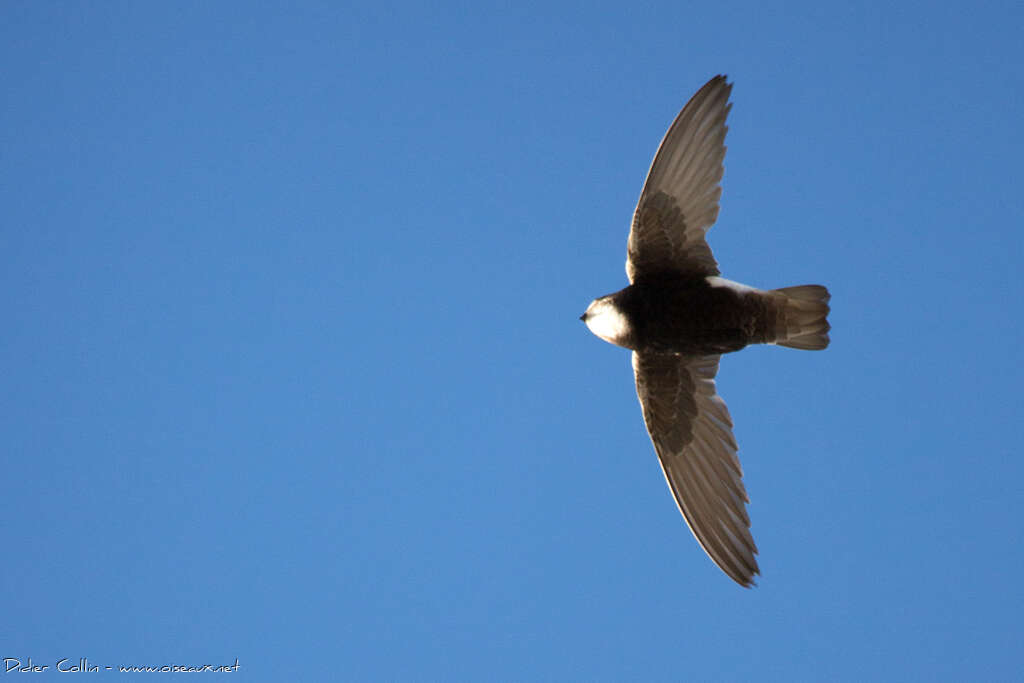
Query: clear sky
x: 292, y: 371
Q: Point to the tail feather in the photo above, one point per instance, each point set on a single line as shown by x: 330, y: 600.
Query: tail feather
x: 802, y: 321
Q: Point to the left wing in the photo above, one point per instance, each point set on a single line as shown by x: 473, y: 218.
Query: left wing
x: 679, y: 201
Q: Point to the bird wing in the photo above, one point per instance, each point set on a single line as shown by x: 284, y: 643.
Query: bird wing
x: 679, y: 201
x: 691, y: 430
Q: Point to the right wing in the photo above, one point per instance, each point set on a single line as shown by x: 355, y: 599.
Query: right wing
x: 692, y: 433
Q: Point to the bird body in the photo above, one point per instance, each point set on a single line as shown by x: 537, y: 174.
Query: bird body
x: 690, y: 314
x: 678, y: 316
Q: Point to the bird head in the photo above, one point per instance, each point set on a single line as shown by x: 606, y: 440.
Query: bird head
x: 606, y: 320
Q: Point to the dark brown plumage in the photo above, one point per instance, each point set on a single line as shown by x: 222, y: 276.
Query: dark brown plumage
x: 678, y: 316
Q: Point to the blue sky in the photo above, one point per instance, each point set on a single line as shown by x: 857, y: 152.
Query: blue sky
x: 292, y: 370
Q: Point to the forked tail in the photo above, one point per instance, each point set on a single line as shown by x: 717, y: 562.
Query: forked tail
x: 802, y: 317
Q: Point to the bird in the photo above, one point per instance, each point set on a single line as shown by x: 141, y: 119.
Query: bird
x: 679, y: 316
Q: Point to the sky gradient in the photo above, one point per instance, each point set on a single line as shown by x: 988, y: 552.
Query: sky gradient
x: 292, y: 369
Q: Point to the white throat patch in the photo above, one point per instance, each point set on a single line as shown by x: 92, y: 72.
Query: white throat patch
x: 607, y: 322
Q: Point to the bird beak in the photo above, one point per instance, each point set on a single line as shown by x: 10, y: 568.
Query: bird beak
x: 583, y: 317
